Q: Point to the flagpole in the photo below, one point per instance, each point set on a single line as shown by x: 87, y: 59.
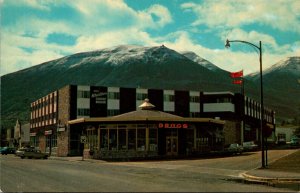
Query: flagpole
x: 243, y: 86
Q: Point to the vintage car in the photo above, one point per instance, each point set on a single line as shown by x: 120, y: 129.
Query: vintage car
x: 233, y: 148
x: 7, y: 150
x: 250, y: 146
x: 31, y: 153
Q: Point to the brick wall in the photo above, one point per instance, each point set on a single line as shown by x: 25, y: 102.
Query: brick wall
x: 232, y: 132
x: 42, y: 143
x: 63, y: 117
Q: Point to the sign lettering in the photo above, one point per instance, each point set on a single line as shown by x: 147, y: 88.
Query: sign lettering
x: 173, y: 125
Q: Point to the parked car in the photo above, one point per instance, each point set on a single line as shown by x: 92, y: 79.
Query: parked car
x: 7, y: 150
x: 233, y: 148
x: 295, y: 142
x: 250, y: 146
x: 31, y: 153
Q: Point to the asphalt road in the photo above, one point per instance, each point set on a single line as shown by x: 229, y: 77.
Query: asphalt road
x: 201, y: 175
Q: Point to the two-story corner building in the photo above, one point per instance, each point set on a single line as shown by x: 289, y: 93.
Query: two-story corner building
x: 59, y: 119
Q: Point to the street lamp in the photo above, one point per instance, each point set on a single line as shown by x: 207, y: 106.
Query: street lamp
x: 227, y: 45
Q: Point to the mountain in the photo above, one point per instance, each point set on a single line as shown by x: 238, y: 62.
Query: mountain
x: 122, y: 66
x: 194, y: 57
x: 146, y: 67
x: 282, y: 86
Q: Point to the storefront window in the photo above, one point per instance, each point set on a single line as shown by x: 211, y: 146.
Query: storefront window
x: 92, y: 140
x: 34, y: 141
x: 103, y: 139
x: 190, y: 139
x: 51, y: 141
x: 141, y: 139
x: 113, y: 139
x: 122, y: 139
x: 201, y: 141
x: 131, y: 139
x: 152, y: 139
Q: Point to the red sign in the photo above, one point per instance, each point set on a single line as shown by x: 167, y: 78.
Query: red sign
x: 236, y: 74
x: 237, y: 82
x: 173, y: 125
x: 49, y: 132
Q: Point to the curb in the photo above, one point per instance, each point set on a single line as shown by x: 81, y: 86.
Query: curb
x: 71, y: 160
x: 270, y: 180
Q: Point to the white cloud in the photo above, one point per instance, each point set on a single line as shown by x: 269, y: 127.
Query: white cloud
x: 116, y: 14
x: 279, y: 14
x: 162, y: 13
x: 35, y: 4
x: 113, y: 38
x: 104, y: 23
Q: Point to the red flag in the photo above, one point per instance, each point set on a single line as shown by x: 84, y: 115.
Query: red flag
x: 236, y: 74
x: 237, y: 81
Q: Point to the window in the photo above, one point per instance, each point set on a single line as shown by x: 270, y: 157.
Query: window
x: 122, y: 138
x: 83, y: 94
x: 113, y: 139
x: 190, y: 139
x: 51, y: 141
x: 194, y: 99
x: 141, y: 96
x: 131, y: 139
x: 219, y: 99
x: 224, y: 100
x: 83, y: 112
x: 201, y: 141
x: 152, y: 139
x: 169, y: 98
x: 112, y: 112
x: 92, y: 140
x: 194, y: 114
x: 34, y: 141
x: 113, y: 95
x: 104, y: 139
x: 141, y: 140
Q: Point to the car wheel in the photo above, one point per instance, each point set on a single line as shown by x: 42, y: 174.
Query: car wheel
x: 22, y: 157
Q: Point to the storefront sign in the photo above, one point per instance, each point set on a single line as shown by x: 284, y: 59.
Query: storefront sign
x: 61, y: 129
x: 173, y: 125
x: 49, y: 132
x: 99, y: 96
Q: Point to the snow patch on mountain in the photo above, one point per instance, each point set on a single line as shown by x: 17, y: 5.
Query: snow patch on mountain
x: 289, y: 65
x: 122, y: 54
x: 194, y: 57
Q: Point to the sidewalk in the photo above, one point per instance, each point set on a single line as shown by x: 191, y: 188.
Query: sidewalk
x: 283, y: 170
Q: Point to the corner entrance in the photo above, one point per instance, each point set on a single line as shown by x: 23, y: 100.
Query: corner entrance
x: 172, y: 145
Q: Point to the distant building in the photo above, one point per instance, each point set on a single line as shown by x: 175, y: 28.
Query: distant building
x: 21, y: 135
x: 284, y: 134
x: 53, y: 125
x: 25, y: 134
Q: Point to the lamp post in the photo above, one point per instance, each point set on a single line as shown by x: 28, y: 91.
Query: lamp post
x: 227, y: 45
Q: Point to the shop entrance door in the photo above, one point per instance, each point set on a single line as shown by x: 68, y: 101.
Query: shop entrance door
x: 172, y: 145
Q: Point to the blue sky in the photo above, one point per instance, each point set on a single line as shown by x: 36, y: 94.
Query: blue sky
x: 36, y: 31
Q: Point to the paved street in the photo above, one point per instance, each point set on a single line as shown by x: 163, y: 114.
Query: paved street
x: 214, y: 174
